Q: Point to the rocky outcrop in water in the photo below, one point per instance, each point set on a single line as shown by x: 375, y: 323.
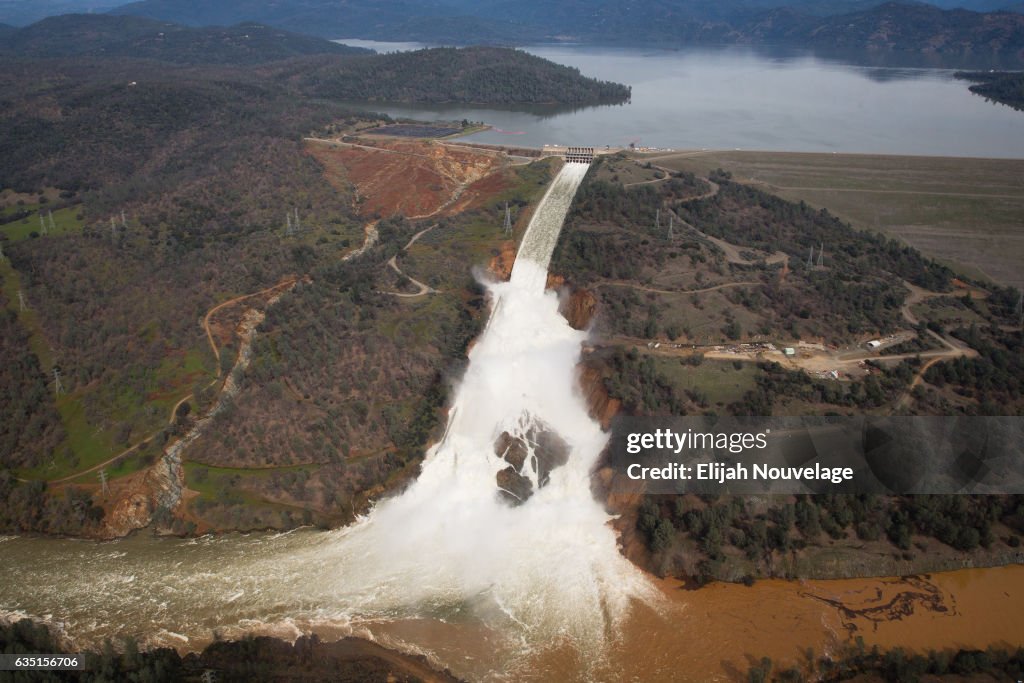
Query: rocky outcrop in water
x: 531, y: 458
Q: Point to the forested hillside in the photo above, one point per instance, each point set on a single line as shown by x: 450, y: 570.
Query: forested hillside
x: 97, y: 35
x: 1005, y: 88
x: 674, y: 305
x: 135, y: 197
x: 897, y: 27
x: 302, y: 65
x: 474, y: 74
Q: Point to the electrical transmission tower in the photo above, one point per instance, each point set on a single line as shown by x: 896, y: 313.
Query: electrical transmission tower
x: 21, y: 300
x: 810, y: 258
x: 124, y: 221
x: 298, y: 226
x: 1, y: 252
x: 113, y: 228
x: 103, y: 481
x: 671, y: 225
x: 288, y: 219
x: 58, y: 386
x: 42, y: 224
x: 508, y: 220
x: 821, y: 255
x: 657, y: 219
x: 1020, y: 308
x: 49, y: 217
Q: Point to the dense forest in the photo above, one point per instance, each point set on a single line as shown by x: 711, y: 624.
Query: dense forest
x: 734, y: 537
x: 482, y: 75
x: 615, y: 233
x: 31, y: 428
x: 98, y: 35
x: 999, y: 86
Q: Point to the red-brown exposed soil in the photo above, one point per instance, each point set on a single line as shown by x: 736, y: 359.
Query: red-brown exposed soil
x: 501, y: 265
x: 579, y: 308
x: 413, y: 178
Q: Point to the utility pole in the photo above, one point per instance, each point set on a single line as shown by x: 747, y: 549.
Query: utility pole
x: 58, y: 386
x: 103, y: 481
x: 21, y: 300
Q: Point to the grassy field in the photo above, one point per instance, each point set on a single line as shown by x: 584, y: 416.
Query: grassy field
x: 623, y: 170
x: 65, y: 221
x: 720, y: 382
x: 967, y: 213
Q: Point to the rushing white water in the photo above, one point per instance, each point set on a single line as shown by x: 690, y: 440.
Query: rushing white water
x: 544, y: 571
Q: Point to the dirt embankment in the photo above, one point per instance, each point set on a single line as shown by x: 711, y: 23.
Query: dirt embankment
x: 501, y: 265
x: 413, y: 178
x: 579, y: 308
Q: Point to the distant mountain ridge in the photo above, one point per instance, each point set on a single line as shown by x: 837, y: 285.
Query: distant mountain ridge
x: 898, y: 27
x: 907, y: 27
x: 98, y: 35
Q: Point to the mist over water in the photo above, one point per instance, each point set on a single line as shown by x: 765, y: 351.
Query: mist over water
x: 450, y: 547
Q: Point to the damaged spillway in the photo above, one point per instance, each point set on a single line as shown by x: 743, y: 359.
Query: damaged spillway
x: 500, y: 527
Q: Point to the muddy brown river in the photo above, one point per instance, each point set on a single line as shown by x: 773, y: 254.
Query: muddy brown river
x: 177, y: 592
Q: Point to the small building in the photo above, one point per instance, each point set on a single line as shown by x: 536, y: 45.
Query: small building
x: 874, y: 344
x: 789, y: 351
